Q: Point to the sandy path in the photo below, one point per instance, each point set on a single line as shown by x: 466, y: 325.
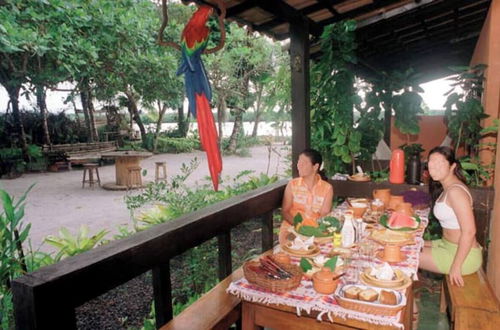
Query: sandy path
x: 58, y: 200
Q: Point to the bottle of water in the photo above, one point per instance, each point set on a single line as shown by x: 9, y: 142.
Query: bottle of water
x: 348, y: 232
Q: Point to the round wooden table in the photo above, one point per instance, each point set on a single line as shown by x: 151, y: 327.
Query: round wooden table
x: 124, y: 160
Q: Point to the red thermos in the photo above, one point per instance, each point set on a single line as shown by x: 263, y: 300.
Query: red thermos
x: 397, y: 167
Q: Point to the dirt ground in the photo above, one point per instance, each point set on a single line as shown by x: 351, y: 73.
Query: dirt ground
x: 58, y: 200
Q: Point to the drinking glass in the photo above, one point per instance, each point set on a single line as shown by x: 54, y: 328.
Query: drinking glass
x: 367, y: 250
x: 352, y: 268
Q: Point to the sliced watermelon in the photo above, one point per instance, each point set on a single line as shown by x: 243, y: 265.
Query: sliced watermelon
x: 399, y: 221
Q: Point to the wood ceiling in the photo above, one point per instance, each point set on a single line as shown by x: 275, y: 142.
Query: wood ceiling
x: 428, y: 35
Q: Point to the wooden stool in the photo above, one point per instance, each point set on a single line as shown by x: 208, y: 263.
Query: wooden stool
x: 90, y: 168
x: 163, y: 167
x: 134, y: 178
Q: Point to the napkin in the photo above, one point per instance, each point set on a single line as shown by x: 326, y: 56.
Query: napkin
x: 383, y: 273
x: 299, y: 244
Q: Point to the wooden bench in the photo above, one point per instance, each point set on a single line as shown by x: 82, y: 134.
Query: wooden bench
x: 78, y: 153
x: 216, y: 309
x: 473, y: 306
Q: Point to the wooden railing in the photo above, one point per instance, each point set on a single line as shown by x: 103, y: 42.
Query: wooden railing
x: 46, y: 298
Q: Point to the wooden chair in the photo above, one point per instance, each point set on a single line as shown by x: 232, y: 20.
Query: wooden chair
x: 134, y: 178
x: 161, y: 166
x: 90, y: 168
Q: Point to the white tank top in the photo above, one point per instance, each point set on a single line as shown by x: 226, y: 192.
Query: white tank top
x: 445, y: 214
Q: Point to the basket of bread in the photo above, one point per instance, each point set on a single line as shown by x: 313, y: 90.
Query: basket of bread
x: 272, y: 275
x: 368, y: 299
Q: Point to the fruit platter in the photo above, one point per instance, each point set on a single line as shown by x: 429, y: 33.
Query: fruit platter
x: 400, y: 222
x: 327, y: 226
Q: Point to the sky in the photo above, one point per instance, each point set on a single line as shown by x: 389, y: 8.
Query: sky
x: 433, y: 97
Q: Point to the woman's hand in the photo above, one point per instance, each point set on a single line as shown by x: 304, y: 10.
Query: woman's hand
x: 456, y: 276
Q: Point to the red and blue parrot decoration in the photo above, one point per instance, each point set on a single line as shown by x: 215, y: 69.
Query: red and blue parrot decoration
x: 193, y: 42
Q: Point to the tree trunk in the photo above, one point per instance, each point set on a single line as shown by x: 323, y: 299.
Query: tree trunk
x: 238, y: 125
x: 132, y: 105
x: 41, y: 96
x: 91, y: 115
x: 221, y: 117
x: 161, y: 112
x: 77, y: 117
x: 258, y: 112
x: 88, y: 111
x: 182, y: 122
x: 13, y: 92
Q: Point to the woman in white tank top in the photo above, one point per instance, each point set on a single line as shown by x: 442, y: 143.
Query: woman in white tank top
x: 458, y: 252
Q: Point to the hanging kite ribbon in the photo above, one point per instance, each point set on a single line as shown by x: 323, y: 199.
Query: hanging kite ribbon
x: 198, y: 91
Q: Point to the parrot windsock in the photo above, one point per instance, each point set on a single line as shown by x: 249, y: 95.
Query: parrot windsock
x: 194, y: 41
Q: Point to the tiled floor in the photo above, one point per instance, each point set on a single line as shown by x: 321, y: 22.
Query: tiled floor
x: 429, y: 317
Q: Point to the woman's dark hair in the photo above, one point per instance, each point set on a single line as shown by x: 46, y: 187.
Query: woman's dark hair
x: 315, y: 158
x: 435, y: 187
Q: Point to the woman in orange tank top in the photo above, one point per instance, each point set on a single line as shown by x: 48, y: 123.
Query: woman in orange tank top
x: 309, y: 194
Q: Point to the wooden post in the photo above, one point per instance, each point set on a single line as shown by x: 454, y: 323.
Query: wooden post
x: 299, y: 61
x: 162, y: 292
x: 267, y: 231
x: 225, y: 263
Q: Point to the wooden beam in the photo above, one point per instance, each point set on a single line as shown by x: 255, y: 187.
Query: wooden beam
x: 286, y: 12
x: 426, y: 11
x: 358, y: 11
x: 299, y: 61
x: 240, y: 8
x: 267, y: 231
x: 224, y: 253
x: 162, y: 292
x: 328, y: 4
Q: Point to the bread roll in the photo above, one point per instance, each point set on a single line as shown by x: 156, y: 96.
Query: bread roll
x: 388, y: 298
x: 368, y: 295
x: 352, y: 292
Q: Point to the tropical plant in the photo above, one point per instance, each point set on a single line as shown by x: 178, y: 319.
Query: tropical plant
x: 333, y: 98
x: 70, y: 245
x: 464, y: 110
x: 13, y: 233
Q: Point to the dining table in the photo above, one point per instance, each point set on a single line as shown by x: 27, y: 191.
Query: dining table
x: 123, y: 161
x: 304, y: 308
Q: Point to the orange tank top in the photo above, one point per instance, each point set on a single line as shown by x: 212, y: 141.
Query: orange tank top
x: 308, y: 202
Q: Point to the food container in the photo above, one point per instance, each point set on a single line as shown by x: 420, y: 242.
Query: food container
x: 383, y: 194
x: 325, y: 281
x: 374, y: 307
x: 282, y: 258
x: 275, y: 285
x: 358, y: 209
x: 395, y: 201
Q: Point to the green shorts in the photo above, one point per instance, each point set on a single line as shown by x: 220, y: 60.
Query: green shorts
x: 443, y: 254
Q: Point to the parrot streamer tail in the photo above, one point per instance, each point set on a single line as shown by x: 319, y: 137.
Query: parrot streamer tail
x: 208, y: 137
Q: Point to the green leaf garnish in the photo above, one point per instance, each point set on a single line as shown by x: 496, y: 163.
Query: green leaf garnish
x: 305, y: 265
x: 331, y: 263
x: 297, y: 219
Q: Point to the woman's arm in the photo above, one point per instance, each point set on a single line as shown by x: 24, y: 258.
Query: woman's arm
x: 460, y: 202
x: 327, y: 203
x: 286, y: 205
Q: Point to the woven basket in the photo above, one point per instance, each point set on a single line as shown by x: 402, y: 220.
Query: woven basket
x: 369, y: 307
x: 273, y: 284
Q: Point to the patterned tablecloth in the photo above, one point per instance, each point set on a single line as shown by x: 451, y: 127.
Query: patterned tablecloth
x: 305, y: 298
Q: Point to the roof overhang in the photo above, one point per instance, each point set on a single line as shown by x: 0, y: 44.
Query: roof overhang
x: 428, y: 35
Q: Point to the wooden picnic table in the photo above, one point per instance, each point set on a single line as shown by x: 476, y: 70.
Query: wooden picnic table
x: 255, y: 315
x: 282, y: 312
x: 124, y: 160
